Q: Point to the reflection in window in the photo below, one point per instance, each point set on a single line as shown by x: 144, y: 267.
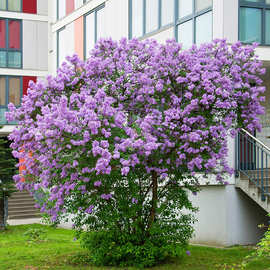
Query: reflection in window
x: 14, y: 94
x: 2, y: 91
x: 167, y: 12
x: 137, y: 18
x: 254, y: 21
x: 14, y: 5
x: 250, y: 25
x: 10, y: 43
x: 94, y: 28
x: 151, y: 15
x: 194, y: 24
x: 204, y: 28
x: 185, y: 34
x: 185, y: 8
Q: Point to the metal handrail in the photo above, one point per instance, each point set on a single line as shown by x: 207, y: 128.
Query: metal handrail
x: 255, y: 139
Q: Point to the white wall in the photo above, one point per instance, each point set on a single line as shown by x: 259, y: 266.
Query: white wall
x: 227, y: 217
x: 35, y: 45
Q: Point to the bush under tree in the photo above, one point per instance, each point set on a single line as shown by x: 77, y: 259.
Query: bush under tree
x: 116, y: 142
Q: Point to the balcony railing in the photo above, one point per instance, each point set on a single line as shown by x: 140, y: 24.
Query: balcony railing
x: 253, y: 161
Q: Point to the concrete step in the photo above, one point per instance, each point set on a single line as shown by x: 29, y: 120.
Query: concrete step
x: 20, y: 195
x: 25, y: 211
x: 21, y: 200
x: 21, y: 207
x: 24, y: 216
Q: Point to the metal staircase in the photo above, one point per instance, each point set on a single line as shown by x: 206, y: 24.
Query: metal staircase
x: 21, y: 205
x: 253, y: 168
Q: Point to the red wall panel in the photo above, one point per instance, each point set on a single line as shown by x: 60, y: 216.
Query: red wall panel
x: 69, y: 6
x: 2, y: 33
x: 14, y: 28
x: 26, y: 80
x: 30, y: 6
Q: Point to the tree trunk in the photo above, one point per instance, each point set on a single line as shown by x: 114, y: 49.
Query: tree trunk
x: 2, y: 213
x: 154, y: 199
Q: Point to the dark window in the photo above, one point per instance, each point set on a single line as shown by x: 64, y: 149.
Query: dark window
x: 254, y: 21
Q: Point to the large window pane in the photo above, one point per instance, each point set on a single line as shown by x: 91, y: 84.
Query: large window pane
x: 202, y: 4
x: 267, y: 26
x: 14, y: 94
x: 137, y: 18
x: 3, y: 4
x: 267, y: 2
x: 184, y: 8
x: 185, y: 34
x: 250, y: 25
x: 151, y: 15
x: 2, y: 91
x: 167, y: 12
x: 61, y: 8
x: 2, y: 33
x: 14, y: 59
x: 14, y: 34
x: 100, y: 23
x: 14, y: 5
x: 90, y: 32
x: 204, y: 28
x: 3, y: 59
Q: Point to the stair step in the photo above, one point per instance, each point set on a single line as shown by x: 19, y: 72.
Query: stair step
x: 23, y: 195
x: 25, y: 216
x: 21, y: 200
x: 21, y: 207
x: 25, y: 211
x: 20, y: 204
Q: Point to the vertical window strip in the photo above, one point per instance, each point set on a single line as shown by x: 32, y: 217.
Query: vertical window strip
x: 93, y: 31
x: 147, y: 16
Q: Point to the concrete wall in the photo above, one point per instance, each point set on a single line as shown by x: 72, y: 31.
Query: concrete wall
x: 227, y: 217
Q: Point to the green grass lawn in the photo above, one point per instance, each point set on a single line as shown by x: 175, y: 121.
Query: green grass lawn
x: 60, y: 251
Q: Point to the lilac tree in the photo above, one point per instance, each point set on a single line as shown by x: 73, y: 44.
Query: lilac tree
x: 117, y: 140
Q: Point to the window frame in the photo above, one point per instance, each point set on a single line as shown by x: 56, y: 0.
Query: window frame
x: 12, y: 10
x: 192, y: 17
x: 263, y: 7
x: 7, y: 77
x: 57, y: 9
x: 58, y: 31
x: 160, y: 26
x: 95, y: 10
x: 7, y: 49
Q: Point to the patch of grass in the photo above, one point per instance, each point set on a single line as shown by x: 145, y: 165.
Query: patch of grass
x: 59, y: 251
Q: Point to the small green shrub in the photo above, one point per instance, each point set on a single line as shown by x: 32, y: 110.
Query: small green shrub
x: 35, y: 235
x: 107, y: 248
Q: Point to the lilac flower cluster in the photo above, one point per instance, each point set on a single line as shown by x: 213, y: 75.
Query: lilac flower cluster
x: 135, y: 105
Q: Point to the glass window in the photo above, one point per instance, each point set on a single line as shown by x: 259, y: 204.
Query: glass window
x: 267, y: 2
x: 14, y: 34
x: 2, y: 91
x: 2, y: 33
x: 14, y: 94
x: 14, y: 59
x: 14, y: 5
x: 267, y: 26
x: 90, y: 32
x: 100, y: 23
x: 61, y: 8
x: 151, y: 15
x: 202, y: 4
x: 250, y: 25
x: 203, y: 28
x: 167, y: 12
x: 185, y: 34
x: 61, y: 46
x: 3, y: 59
x: 3, y: 4
x: 185, y: 8
x: 137, y: 18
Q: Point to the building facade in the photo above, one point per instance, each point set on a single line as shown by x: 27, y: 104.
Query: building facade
x: 228, y: 215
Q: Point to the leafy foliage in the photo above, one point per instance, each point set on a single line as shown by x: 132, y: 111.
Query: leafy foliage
x: 116, y: 141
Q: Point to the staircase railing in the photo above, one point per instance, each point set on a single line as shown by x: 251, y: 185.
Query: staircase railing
x: 253, y: 161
